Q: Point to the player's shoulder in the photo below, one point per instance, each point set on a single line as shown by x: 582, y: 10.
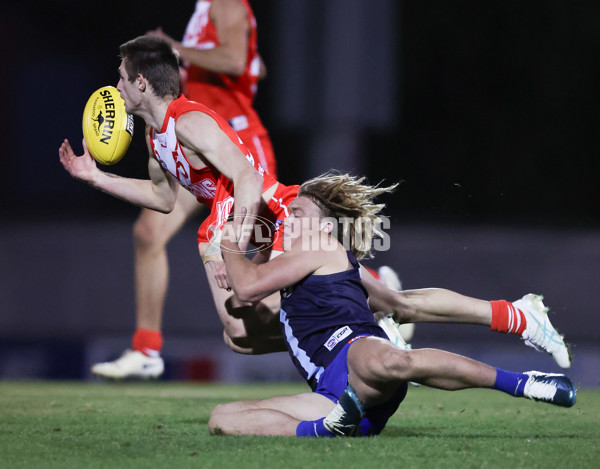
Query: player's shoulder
x: 185, y: 109
x: 183, y: 105
x: 196, y: 128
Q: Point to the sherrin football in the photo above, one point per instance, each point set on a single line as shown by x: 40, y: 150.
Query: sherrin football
x: 107, y: 128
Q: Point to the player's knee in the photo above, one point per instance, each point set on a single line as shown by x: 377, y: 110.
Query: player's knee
x: 148, y: 235
x: 238, y: 343
x: 216, y: 421
x: 393, y: 364
x: 238, y: 308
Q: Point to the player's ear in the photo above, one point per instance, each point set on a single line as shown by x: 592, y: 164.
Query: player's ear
x: 327, y: 224
x: 140, y: 82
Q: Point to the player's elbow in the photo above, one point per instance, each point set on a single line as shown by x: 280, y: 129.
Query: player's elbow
x: 237, y: 65
x: 246, y: 293
x: 165, y: 207
x: 249, y: 289
x: 236, y: 68
x: 164, y: 210
x: 165, y: 204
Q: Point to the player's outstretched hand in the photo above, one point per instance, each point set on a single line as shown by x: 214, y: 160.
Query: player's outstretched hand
x: 81, y: 167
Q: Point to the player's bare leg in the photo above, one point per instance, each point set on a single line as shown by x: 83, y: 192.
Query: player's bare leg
x: 151, y: 232
x: 377, y: 369
x: 261, y: 326
x: 274, y: 416
x: 427, y: 304
x: 526, y: 317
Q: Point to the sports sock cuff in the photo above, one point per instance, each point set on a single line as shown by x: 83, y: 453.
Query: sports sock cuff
x: 147, y: 341
x: 507, y: 318
x: 510, y: 382
x: 313, y: 428
x: 499, y: 316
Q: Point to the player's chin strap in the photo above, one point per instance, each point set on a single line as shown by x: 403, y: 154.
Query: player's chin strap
x: 213, y: 252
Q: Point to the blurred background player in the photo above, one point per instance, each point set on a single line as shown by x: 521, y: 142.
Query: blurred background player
x: 222, y: 70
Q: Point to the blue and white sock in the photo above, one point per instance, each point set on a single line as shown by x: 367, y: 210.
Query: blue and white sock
x: 313, y: 428
x: 510, y: 382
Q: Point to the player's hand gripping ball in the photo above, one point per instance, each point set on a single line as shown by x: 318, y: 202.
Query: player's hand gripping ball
x: 107, y: 128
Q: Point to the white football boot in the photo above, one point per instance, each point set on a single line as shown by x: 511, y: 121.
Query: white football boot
x: 392, y: 330
x: 553, y: 388
x: 399, y: 334
x: 539, y: 332
x: 131, y: 364
x: 391, y: 280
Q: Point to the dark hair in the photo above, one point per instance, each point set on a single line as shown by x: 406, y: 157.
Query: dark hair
x: 155, y: 60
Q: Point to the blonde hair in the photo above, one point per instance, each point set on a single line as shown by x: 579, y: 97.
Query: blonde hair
x: 350, y: 202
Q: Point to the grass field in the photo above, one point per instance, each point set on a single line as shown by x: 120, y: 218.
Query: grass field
x: 163, y: 425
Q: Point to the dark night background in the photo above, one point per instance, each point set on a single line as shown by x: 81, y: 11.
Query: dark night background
x: 496, y: 106
x: 491, y: 114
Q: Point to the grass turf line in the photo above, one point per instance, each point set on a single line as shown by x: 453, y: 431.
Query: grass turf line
x: 50, y: 424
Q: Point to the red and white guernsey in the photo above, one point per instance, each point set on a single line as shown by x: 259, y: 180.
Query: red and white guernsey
x: 201, y: 33
x: 207, y: 184
x: 230, y: 96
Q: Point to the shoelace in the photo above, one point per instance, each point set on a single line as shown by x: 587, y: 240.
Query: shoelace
x: 538, y: 334
x: 334, y: 421
x: 342, y: 422
x: 541, y: 390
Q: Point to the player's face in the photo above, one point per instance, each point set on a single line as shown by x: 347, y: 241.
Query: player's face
x: 129, y: 91
x: 305, y: 217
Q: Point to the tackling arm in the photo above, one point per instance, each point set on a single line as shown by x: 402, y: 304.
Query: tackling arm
x: 252, y: 282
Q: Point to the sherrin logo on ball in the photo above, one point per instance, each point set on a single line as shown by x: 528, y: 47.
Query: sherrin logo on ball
x: 107, y: 128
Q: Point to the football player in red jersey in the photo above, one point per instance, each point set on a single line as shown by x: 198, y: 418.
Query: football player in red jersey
x: 221, y: 70
x: 189, y: 144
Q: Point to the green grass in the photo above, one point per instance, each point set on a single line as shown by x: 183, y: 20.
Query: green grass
x: 163, y: 425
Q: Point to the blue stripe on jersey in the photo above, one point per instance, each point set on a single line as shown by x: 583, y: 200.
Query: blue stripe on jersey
x: 298, y: 355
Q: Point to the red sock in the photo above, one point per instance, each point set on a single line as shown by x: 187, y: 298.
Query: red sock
x: 148, y: 342
x: 507, y: 318
x: 374, y: 273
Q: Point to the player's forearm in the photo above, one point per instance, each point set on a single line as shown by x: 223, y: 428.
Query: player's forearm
x: 221, y: 59
x: 248, y: 190
x: 135, y: 191
x: 241, y: 272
